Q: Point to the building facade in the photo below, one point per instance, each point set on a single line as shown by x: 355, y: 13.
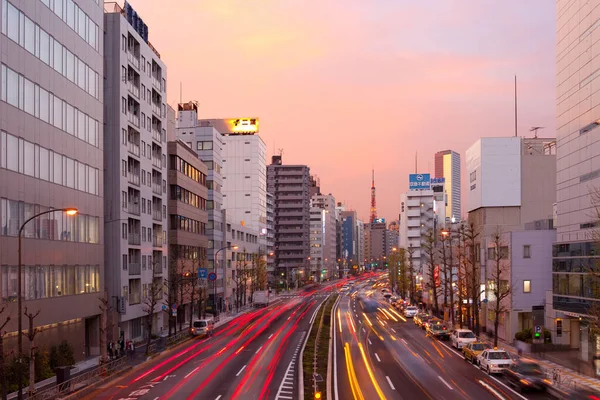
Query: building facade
x: 270, y: 208
x: 289, y: 185
x: 135, y: 143
x: 447, y: 166
x: 187, y: 226
x: 207, y: 141
x: 51, y: 157
x: 239, y: 284
x: 326, y: 202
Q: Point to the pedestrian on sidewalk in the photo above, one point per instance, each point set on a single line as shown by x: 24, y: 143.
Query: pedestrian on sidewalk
x: 109, y: 350
x: 121, y: 346
x: 131, y: 349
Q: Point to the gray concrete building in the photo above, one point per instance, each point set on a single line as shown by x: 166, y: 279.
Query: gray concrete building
x: 135, y: 162
x: 51, y: 149
x: 188, y: 219
x: 326, y: 249
x: 208, y: 143
x: 290, y: 187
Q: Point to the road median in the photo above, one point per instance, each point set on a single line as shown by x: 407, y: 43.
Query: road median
x: 315, y: 358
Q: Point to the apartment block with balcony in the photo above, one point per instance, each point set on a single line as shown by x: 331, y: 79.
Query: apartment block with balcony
x: 270, y: 234
x: 188, y: 219
x: 289, y: 185
x: 328, y: 261
x: 135, y: 143
x: 51, y: 157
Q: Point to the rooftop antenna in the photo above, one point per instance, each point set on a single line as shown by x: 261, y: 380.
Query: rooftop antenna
x: 180, y: 92
x: 280, y: 152
x: 516, y: 131
x: 535, y: 130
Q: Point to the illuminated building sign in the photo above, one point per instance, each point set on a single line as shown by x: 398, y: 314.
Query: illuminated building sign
x: 243, y: 125
x: 379, y: 221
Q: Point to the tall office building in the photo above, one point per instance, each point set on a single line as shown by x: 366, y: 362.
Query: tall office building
x: 578, y: 169
x: 135, y: 162
x: 270, y: 208
x: 244, y: 173
x: 447, y: 166
x: 290, y: 187
x: 208, y: 143
x: 326, y: 203
x: 51, y: 113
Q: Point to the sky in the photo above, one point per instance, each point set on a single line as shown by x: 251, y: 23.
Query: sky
x: 347, y: 86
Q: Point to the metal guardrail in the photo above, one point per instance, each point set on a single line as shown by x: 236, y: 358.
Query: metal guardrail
x: 80, y: 381
x: 178, y: 337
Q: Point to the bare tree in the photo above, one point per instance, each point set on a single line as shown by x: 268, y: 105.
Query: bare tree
x: 105, y: 326
x: 410, y: 251
x: 461, y: 275
x: 261, y: 271
x: 153, y: 298
x: 428, y: 246
x: 393, y: 267
x: 472, y: 270
x: 31, y: 334
x: 499, y: 282
x: 2, y: 359
x: 403, y: 275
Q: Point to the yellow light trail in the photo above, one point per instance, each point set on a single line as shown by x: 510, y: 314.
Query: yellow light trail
x: 386, y: 312
x: 354, y: 386
x: 370, y: 372
x: 351, y: 323
x: 398, y: 315
x: 367, y: 318
x: 339, y: 321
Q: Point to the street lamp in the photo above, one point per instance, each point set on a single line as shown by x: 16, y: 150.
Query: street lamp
x: 234, y: 247
x: 69, y: 211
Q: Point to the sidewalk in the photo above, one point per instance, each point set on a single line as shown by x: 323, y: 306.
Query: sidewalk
x: 566, y: 377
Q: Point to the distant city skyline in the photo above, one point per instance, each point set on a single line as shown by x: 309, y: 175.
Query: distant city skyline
x: 370, y: 97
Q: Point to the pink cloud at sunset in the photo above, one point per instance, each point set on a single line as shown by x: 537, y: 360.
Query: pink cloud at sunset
x: 344, y: 86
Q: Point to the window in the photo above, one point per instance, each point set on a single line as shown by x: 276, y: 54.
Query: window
x: 123, y: 105
x: 527, y: 251
x: 124, y: 168
x: 527, y: 286
x: 124, y: 260
x: 559, y: 327
x: 204, y: 145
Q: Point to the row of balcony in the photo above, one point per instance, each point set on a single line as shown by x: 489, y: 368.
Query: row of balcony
x: 134, y: 239
x: 136, y: 268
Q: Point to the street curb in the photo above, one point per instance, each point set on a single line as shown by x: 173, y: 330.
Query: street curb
x: 330, y: 358
x: 79, y: 394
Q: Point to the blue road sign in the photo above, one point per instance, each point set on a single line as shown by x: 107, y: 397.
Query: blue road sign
x: 212, y: 276
x: 202, y: 272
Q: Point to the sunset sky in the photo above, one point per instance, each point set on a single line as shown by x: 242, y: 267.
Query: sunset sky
x: 343, y: 86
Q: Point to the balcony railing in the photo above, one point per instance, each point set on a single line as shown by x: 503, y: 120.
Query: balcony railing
x: 135, y: 61
x: 157, y: 241
x: 134, y: 89
x: 156, y: 134
x: 133, y: 119
x: 135, y: 268
x: 156, y: 109
x: 133, y: 148
x: 157, y: 215
x: 156, y: 82
x: 134, y: 239
x: 133, y: 208
x: 158, y: 269
x: 156, y: 188
x: 134, y: 298
x: 133, y: 178
x: 157, y: 162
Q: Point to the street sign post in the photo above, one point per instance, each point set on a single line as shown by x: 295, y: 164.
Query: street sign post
x: 212, y: 276
x: 202, y: 273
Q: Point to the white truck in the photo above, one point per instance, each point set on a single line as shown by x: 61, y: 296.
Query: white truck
x: 261, y: 298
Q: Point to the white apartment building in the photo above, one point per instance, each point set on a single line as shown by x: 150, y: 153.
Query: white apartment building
x: 317, y: 242
x: 207, y: 141
x: 135, y: 143
x: 326, y: 202
x: 447, y: 166
x: 578, y: 170
x: 360, y: 245
x: 51, y: 157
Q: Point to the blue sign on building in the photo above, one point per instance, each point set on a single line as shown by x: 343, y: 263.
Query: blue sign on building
x: 379, y: 221
x: 419, y: 181
x: 202, y: 273
x: 438, y: 180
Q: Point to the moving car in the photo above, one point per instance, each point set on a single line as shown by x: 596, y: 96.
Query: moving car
x: 426, y: 320
x: 526, y: 375
x: 438, y: 330
x: 462, y: 337
x: 472, y: 350
x: 494, y: 360
x: 418, y: 319
x: 202, y: 327
x: 410, y: 311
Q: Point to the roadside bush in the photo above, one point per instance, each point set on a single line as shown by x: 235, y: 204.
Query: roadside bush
x: 62, y: 355
x: 526, y: 335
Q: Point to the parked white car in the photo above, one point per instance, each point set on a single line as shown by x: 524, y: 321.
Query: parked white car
x: 410, y: 311
x: 494, y: 361
x: 462, y: 337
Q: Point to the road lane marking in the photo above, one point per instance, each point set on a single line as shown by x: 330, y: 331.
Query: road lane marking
x: 243, y: 368
x: 270, y: 336
x: 369, y: 340
x: 393, y: 330
x: 390, y: 382
x: 364, y: 331
x: 258, y: 350
x: 218, y: 397
x: 491, y: 390
x: 377, y: 357
x: 192, y: 371
x: 446, y: 383
x: 404, y: 341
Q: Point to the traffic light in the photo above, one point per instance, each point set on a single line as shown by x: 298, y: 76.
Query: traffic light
x: 317, y: 395
x: 538, y: 332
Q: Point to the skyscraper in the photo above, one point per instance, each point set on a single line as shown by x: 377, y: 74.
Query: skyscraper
x: 135, y: 162
x: 447, y: 166
x: 51, y: 158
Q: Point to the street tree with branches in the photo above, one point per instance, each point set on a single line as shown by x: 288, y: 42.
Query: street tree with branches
x: 499, y: 280
x: 106, y: 326
x: 2, y: 356
x: 472, y: 274
x: 153, y: 298
x: 31, y: 333
x: 410, y: 252
x: 432, y: 271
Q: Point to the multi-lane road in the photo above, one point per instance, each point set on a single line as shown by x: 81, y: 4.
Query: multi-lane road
x: 255, y: 356
x: 379, y: 354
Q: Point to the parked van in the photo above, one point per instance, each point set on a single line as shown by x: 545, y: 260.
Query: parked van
x: 203, y: 327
